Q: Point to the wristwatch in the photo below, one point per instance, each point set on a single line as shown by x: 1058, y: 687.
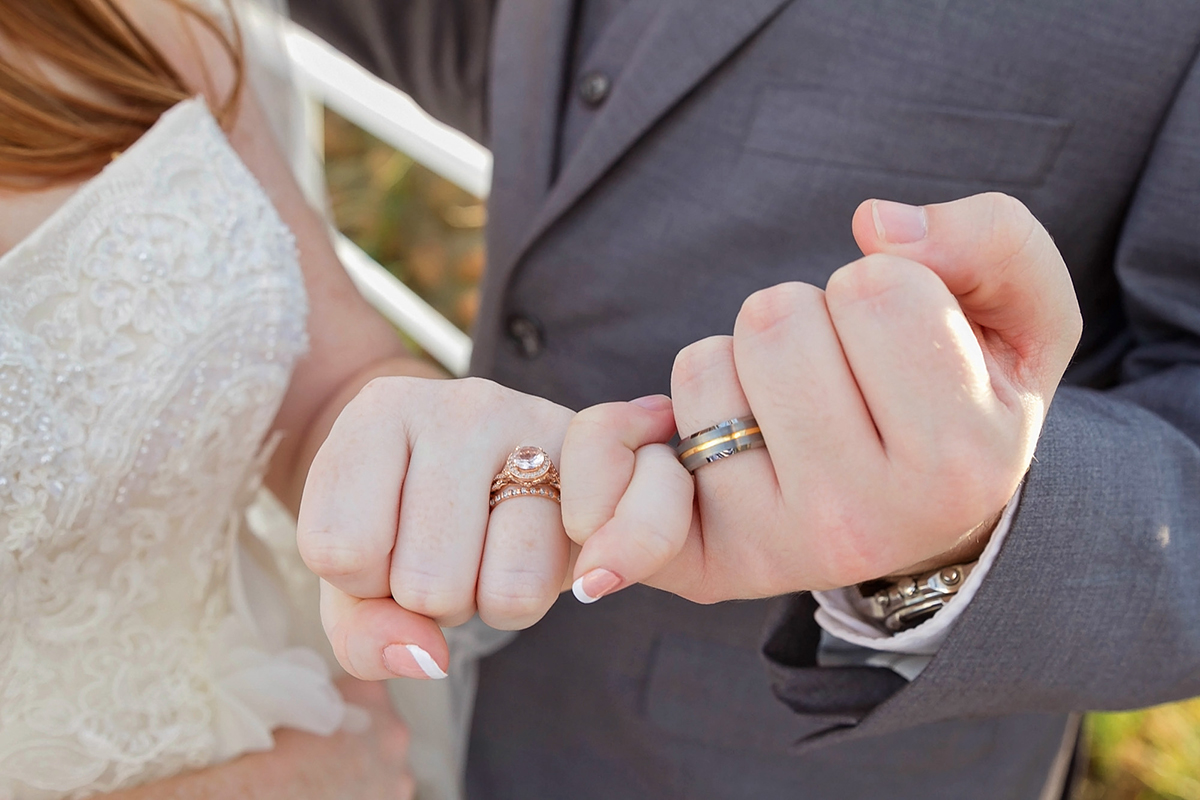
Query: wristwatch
x: 903, y: 603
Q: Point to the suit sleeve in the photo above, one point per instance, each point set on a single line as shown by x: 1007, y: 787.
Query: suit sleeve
x: 1094, y: 599
x: 437, y: 51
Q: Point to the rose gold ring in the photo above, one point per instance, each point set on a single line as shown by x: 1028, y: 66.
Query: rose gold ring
x: 528, y: 472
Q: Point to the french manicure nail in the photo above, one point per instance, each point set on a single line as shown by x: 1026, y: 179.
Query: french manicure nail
x: 410, y: 661
x: 898, y: 223
x: 653, y: 402
x: 595, y: 584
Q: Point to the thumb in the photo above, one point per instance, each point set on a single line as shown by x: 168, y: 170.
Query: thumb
x: 1001, y: 265
x: 374, y: 639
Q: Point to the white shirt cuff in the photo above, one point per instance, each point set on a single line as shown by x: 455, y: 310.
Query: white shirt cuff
x: 841, y: 620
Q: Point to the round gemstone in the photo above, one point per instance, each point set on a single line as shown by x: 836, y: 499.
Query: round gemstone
x: 528, y: 458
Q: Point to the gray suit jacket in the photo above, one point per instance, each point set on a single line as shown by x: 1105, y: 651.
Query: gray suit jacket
x: 738, y: 138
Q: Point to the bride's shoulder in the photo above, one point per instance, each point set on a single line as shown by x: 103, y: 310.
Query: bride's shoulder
x: 196, y: 37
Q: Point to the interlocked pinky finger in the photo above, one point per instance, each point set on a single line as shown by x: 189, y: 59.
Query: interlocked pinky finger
x: 648, y: 529
x: 598, y: 458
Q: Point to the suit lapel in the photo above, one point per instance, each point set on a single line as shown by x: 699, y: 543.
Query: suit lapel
x: 531, y: 45
x: 686, y: 42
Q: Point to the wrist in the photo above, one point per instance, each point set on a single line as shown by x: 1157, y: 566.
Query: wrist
x: 966, y: 550
x: 904, y: 599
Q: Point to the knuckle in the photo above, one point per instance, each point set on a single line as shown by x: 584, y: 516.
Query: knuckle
x: 592, y: 429
x: 869, y: 279
x: 322, y: 554
x: 583, y: 515
x: 768, y: 308
x: 600, y: 419
x: 481, y: 388
x: 472, y: 396
x: 379, y: 391
x: 701, y: 362
x: 381, y: 398
x: 430, y: 596
x: 466, y: 400
x: 654, y: 545
x: 1008, y: 208
x: 518, y: 600
x: 1013, y: 227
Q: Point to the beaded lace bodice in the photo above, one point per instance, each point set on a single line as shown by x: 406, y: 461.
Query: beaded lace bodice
x: 147, y: 334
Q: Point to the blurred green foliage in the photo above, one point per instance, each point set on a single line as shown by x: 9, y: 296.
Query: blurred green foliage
x: 426, y: 231
x: 1145, y: 755
x: 430, y: 235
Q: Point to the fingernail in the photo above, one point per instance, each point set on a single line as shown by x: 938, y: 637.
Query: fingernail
x: 898, y: 223
x: 653, y: 402
x: 410, y: 661
x: 594, y: 585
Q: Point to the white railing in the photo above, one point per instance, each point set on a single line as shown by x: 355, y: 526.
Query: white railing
x: 385, y: 112
x: 329, y: 78
x: 420, y: 321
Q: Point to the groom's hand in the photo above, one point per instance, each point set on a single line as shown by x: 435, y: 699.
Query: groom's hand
x: 901, y: 408
x: 395, y: 521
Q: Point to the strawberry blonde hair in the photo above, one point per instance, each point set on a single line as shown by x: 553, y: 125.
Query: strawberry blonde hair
x: 51, y: 134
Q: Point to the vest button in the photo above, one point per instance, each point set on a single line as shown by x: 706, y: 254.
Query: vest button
x: 594, y: 88
x: 526, y: 334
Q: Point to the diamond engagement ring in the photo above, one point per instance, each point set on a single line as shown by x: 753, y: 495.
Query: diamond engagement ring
x: 720, y: 441
x: 528, y: 472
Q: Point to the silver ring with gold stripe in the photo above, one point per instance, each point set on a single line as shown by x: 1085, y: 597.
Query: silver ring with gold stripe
x: 719, y: 442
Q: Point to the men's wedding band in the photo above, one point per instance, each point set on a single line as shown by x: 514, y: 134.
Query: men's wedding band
x: 528, y: 472
x: 720, y: 441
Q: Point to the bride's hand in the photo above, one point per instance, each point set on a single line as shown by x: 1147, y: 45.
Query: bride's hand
x: 395, y: 521
x: 349, y: 765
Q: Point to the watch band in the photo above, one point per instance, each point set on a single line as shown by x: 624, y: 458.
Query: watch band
x: 904, y: 603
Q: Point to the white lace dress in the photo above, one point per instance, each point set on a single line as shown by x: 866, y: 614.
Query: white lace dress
x: 147, y: 334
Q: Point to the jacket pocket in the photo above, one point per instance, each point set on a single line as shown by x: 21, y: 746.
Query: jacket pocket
x: 717, y: 695
x: 872, y: 133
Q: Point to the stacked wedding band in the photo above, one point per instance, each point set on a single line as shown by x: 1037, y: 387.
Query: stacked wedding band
x: 720, y: 441
x: 528, y: 472
x: 906, y: 602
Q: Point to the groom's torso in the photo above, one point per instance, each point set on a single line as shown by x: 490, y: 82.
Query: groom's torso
x: 736, y: 140
x: 659, y: 160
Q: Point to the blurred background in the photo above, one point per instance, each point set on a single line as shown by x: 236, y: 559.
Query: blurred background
x: 429, y: 233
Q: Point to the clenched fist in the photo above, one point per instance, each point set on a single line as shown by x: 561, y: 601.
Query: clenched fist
x: 396, y: 522
x: 900, y: 406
